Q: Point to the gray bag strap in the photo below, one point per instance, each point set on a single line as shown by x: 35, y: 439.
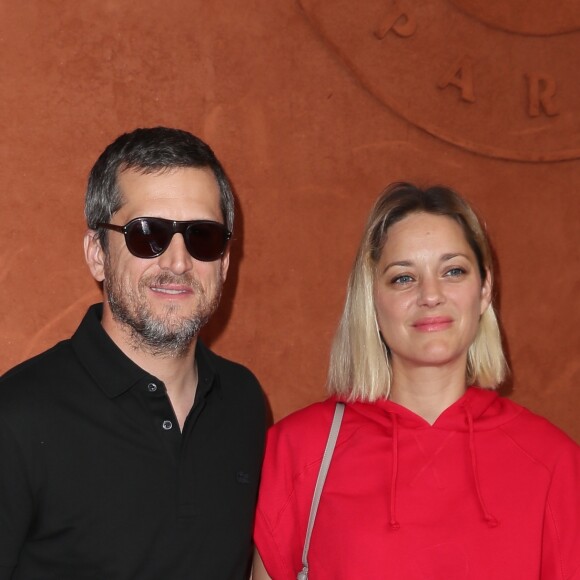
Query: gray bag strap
x: 328, y: 451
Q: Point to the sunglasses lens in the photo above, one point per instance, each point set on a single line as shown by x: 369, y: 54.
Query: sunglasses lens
x: 148, y: 238
x: 206, y: 241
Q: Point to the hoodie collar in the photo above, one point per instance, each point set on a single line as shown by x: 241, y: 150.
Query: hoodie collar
x: 484, y: 405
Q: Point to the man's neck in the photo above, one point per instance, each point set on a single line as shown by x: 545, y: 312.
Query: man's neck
x: 178, y: 373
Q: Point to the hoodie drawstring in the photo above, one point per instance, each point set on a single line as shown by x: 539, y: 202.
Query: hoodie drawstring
x: 393, y: 523
x: 487, y: 516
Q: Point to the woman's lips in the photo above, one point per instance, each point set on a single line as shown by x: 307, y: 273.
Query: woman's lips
x: 432, y: 323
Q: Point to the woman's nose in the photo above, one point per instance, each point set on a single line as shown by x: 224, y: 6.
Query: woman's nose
x: 430, y: 292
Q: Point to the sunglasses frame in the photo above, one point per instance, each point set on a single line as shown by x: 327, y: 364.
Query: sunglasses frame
x: 175, y: 227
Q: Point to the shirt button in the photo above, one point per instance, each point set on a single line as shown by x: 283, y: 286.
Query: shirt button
x: 167, y: 425
x: 151, y: 387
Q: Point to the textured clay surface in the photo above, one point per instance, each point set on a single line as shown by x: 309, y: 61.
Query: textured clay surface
x: 314, y: 106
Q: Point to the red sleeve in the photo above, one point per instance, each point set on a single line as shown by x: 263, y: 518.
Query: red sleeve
x: 294, y: 450
x: 561, y: 538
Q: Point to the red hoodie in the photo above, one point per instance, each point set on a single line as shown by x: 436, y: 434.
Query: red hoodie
x: 490, y: 491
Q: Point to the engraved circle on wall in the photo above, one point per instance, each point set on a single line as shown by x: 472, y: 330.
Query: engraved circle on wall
x: 465, y: 71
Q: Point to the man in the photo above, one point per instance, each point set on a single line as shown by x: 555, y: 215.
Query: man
x: 131, y: 451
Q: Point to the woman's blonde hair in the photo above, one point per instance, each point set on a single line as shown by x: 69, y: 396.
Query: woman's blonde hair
x: 360, y: 365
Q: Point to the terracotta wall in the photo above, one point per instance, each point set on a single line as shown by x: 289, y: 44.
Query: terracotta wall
x: 313, y: 106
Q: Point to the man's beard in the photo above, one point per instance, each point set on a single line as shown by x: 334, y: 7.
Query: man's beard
x: 168, y: 334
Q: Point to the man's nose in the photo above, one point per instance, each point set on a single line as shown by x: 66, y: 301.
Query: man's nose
x: 176, y: 257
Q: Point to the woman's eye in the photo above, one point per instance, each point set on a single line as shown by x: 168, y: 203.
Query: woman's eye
x: 404, y: 279
x: 454, y: 272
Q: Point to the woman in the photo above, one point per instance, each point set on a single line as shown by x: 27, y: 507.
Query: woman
x: 433, y: 475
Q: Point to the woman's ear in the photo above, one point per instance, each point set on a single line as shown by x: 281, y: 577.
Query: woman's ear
x: 94, y: 255
x: 486, y: 292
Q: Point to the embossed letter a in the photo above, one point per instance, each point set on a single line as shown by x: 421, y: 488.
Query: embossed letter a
x: 460, y: 75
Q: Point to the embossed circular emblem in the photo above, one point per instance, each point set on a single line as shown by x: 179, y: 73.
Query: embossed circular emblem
x: 498, y: 78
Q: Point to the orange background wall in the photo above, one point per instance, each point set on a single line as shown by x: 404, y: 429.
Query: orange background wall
x: 313, y: 106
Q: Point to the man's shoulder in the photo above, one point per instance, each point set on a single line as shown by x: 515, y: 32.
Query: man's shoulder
x: 38, y: 370
x: 53, y: 364
x: 238, y: 397
x: 29, y: 390
x: 237, y: 383
x: 228, y: 370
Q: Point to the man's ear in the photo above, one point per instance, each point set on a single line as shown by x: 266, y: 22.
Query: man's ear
x: 225, y: 264
x: 94, y: 255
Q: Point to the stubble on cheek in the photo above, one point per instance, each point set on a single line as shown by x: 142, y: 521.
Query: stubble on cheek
x: 169, y: 332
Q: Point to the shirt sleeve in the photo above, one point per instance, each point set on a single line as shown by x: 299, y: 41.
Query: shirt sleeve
x: 561, y: 538
x: 16, y: 503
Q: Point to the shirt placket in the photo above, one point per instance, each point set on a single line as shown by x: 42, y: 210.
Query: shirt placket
x: 165, y: 422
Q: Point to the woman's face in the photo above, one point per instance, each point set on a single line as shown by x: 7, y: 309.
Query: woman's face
x: 428, y: 293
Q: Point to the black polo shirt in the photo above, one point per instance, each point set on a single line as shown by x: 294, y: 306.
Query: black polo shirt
x: 97, y: 481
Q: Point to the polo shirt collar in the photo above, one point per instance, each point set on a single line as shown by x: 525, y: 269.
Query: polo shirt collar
x: 113, y: 371
x: 208, y: 378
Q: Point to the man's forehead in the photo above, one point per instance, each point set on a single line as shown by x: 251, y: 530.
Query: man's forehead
x: 129, y: 173
x: 150, y: 170
x: 170, y: 190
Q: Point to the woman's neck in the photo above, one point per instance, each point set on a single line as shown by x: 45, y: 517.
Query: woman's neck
x: 428, y: 391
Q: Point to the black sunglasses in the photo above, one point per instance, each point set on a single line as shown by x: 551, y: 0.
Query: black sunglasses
x: 149, y: 237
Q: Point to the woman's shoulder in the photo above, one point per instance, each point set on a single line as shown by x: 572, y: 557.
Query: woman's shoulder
x: 306, y: 423
x: 304, y: 433
x: 538, y: 436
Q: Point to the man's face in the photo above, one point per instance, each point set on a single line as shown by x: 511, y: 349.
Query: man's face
x: 160, y: 304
